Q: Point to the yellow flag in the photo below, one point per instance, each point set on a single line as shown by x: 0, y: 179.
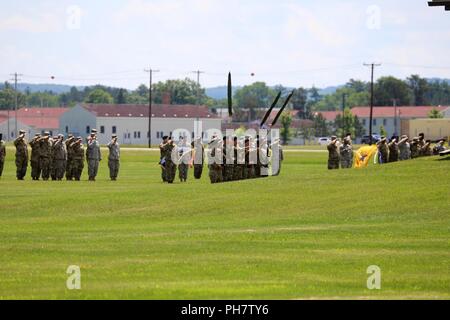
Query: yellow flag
x: 363, y: 156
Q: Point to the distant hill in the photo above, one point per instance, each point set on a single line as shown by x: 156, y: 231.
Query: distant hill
x: 41, y: 87
x: 219, y: 92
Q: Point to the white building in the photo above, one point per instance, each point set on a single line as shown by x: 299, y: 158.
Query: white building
x: 130, y: 121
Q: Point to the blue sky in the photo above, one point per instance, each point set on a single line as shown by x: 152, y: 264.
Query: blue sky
x: 295, y: 43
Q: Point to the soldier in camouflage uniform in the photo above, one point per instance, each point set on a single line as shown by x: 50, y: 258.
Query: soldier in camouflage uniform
x: 69, y: 151
x: 45, y: 150
x: 21, y: 155
x: 114, y: 157
x: 198, y: 158
x: 425, y: 150
x: 346, y: 153
x: 77, y: 163
x: 404, y: 148
x: 184, y: 158
x: 171, y: 168
x: 35, y: 157
x: 439, y: 147
x: 59, y: 158
x: 162, y: 158
x: 53, y: 158
x: 228, y: 165
x: 333, y: 153
x: 383, y: 151
x: 414, y: 147
x: 93, y: 156
x: 394, y: 150
x: 215, y: 159
x: 249, y: 169
x: 2, y: 154
x: 421, y: 143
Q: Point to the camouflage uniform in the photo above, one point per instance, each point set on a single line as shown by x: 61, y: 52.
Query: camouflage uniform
x: 215, y: 169
x: 346, y: 153
x: 238, y: 168
x: 198, y: 167
x: 404, y: 149
x: 170, y: 166
x: 35, y: 158
x: 69, y: 151
x: 93, y: 157
x: 53, y: 159
x: 59, y: 159
x: 21, y: 157
x: 414, y: 147
x: 383, y: 151
x: 2, y: 155
x: 426, y: 151
x: 162, y: 162
x: 114, y: 159
x: 333, y: 155
x: 45, y: 151
x: 77, y: 159
x: 393, y: 151
x: 183, y: 166
x: 227, y: 167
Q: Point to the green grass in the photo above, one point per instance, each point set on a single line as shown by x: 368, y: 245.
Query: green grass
x: 308, y: 233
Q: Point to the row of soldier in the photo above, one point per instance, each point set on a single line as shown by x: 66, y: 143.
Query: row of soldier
x: 227, y: 159
x: 397, y: 149
x: 53, y: 157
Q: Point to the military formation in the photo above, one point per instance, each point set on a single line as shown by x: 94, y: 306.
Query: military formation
x: 340, y: 155
x: 53, y: 157
x: 227, y: 159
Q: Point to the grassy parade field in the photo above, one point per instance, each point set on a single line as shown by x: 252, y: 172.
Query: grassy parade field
x: 309, y: 233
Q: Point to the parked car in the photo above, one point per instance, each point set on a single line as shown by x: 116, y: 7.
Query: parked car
x: 366, y: 139
x: 323, y: 141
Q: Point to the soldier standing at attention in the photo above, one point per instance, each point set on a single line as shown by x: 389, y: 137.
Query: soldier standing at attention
x: 45, y: 151
x: 184, y: 152
x: 69, y: 151
x: 53, y: 158
x: 59, y: 157
x: 238, y: 168
x: 425, y: 150
x: 162, y: 158
x: 170, y: 166
x: 383, y: 151
x: 21, y: 155
x: 421, y: 142
x: 93, y: 156
x: 415, y: 149
x: 114, y: 158
x: 214, y: 165
x: 77, y: 158
x: 198, y: 157
x: 393, y: 150
x: 35, y: 157
x: 346, y: 153
x: 333, y: 153
x: 404, y: 148
x: 2, y: 154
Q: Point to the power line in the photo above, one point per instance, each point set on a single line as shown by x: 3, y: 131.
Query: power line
x: 150, y: 71
x: 15, y: 79
x: 372, y: 65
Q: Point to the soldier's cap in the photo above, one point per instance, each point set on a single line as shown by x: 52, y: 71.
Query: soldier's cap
x: 69, y: 135
x: 94, y: 131
x: 60, y: 135
x: 421, y: 135
x: 165, y: 137
x: 114, y: 136
x: 21, y: 131
x: 333, y: 137
x: 36, y: 134
x: 80, y: 138
x: 46, y: 133
x: 415, y: 138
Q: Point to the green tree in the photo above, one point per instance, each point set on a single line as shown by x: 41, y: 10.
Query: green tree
x: 419, y: 87
x: 321, y: 128
x: 360, y: 130
x: 99, y: 96
x: 435, y: 114
x: 344, y: 124
x: 255, y: 96
x: 299, y: 101
x: 8, y: 98
x: 285, y: 131
x: 388, y: 88
x: 383, y: 131
x: 184, y: 91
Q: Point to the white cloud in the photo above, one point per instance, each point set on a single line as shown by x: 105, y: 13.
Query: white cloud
x: 46, y: 22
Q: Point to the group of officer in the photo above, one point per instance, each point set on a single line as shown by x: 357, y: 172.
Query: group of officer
x: 54, y: 157
x: 226, y: 159
x: 397, y: 149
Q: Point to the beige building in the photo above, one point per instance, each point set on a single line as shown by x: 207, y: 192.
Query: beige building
x: 432, y: 128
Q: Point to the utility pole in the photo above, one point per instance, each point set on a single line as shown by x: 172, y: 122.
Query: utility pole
x: 394, y: 102
x: 15, y: 79
x: 198, y: 72
x: 150, y: 71
x: 343, y: 114
x: 372, y: 65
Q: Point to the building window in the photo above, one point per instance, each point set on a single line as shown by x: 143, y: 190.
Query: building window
x: 384, y: 122
x: 67, y: 129
x: 135, y: 134
x: 129, y: 135
x: 114, y: 129
x: 157, y: 134
x: 374, y: 122
x: 88, y: 129
x: 363, y: 122
x: 102, y: 129
x: 139, y: 134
